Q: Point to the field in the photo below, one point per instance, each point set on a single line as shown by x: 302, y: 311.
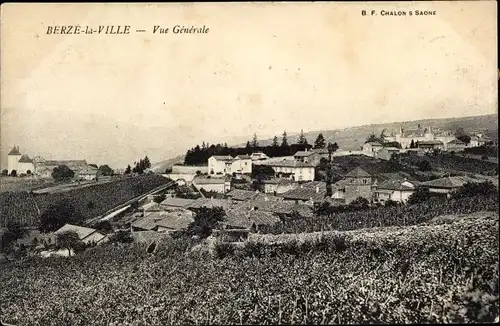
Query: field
x: 440, y: 273
x: 23, y: 184
x: 91, y: 201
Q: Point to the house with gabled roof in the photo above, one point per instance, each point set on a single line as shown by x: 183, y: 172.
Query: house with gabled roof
x: 227, y: 165
x: 371, y: 148
x: 447, y: 185
x: 86, y: 235
x: 307, y: 156
x: 358, y: 183
x: 398, y: 190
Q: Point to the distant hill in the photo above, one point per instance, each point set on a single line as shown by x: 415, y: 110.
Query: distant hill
x: 352, y: 138
x: 167, y: 164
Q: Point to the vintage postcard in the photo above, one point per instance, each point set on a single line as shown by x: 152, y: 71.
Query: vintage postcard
x: 249, y: 163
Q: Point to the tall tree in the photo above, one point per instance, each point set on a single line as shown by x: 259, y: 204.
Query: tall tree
x: 58, y: 214
x: 275, y: 141
x: 62, y: 172
x: 128, y: 169
x: 105, y: 170
x: 248, y: 145
x: 284, y: 140
x: 254, y: 141
x: 320, y: 141
x: 412, y: 144
x: 302, y: 138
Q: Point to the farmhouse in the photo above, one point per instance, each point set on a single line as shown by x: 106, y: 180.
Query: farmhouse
x: 307, y: 156
x: 221, y: 185
x: 394, y: 189
x: 297, y: 171
x: 86, y: 235
x: 279, y: 185
x: 385, y: 153
x: 455, y: 145
x: 358, y: 184
x: 241, y: 164
x: 371, y: 148
x: 305, y: 195
x: 447, y: 185
x: 430, y: 145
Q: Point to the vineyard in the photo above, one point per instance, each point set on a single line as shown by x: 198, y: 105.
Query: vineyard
x: 90, y: 201
x: 446, y: 272
x: 401, y: 215
x: 450, y: 162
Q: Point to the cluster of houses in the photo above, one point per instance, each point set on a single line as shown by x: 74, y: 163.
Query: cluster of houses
x: 24, y: 165
x: 424, y: 140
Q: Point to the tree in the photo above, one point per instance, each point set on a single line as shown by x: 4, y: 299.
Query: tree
x: 412, y: 144
x: 128, y: 170
x: 302, y: 138
x: 320, y: 141
x: 284, y: 140
x: 382, y: 135
x: 28, y: 172
x: 471, y: 189
x: 62, y: 172
x: 121, y: 236
x: 254, y: 141
x: 205, y: 220
x: 67, y: 240
x: 248, y: 145
x: 12, y: 234
x: 58, y: 214
x: 275, y: 141
x: 103, y: 226
x: 420, y: 195
x: 5, y: 172
x: 13, y: 173
x: 158, y: 199
x: 105, y: 170
x: 424, y: 166
x: 371, y: 138
x: 359, y: 204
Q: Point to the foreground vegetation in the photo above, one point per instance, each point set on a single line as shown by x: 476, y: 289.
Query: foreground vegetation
x: 439, y: 273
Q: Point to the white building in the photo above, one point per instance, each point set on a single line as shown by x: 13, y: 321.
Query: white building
x: 405, y: 137
x: 371, y: 148
x: 396, y: 190
x: 18, y: 162
x: 258, y: 156
x: 297, y: 171
x: 88, y: 173
x: 227, y: 164
x: 221, y: 185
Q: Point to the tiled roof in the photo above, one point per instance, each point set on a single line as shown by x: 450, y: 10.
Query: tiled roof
x: 206, y: 181
x: 82, y: 232
x: 226, y: 204
x: 280, y: 181
x: 339, y: 185
x: 456, y: 142
x: 247, y: 219
x: 65, y: 162
x: 304, y: 153
x: 314, y: 184
x: 358, y: 173
x: 240, y: 194
x: 393, y: 176
x: 147, y: 222
x: 396, y: 184
x: 290, y: 163
x: 373, y: 143
x: 175, y: 221
x: 430, y: 142
x: 177, y: 202
x: 25, y: 159
x: 244, y: 157
x: 223, y: 157
x: 305, y: 194
x: 391, y: 148
x: 14, y: 151
x: 267, y: 197
x: 448, y: 182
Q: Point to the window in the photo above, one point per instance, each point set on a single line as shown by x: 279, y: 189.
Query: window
x: 364, y: 181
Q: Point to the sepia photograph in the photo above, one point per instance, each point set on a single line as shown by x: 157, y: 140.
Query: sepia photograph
x: 250, y: 163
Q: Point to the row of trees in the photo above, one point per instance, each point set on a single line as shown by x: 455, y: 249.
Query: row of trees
x: 139, y: 167
x: 199, y: 155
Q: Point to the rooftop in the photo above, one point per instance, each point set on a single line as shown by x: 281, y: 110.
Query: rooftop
x: 374, y: 143
x: 289, y: 163
x: 304, y: 153
x: 223, y: 157
x: 358, y: 173
x: 449, y: 182
x: 305, y: 194
x: 82, y: 232
x: 25, y: 159
x: 14, y: 151
x: 202, y: 181
x: 247, y: 219
x: 240, y: 194
x: 456, y: 142
x: 396, y: 184
x: 177, y: 202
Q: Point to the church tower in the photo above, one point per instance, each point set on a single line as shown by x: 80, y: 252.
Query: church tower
x: 13, y: 159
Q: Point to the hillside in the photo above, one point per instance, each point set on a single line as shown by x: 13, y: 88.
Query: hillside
x: 444, y: 273
x: 352, y: 138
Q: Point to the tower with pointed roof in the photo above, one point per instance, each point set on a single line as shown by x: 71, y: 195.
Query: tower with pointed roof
x: 13, y: 158
x: 358, y: 183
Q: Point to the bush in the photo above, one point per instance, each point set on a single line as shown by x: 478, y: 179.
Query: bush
x: 224, y: 249
x: 121, y: 237
x: 420, y: 195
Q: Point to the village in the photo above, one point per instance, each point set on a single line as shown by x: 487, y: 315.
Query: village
x: 256, y: 191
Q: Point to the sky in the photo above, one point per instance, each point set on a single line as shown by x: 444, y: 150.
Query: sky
x: 261, y: 68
